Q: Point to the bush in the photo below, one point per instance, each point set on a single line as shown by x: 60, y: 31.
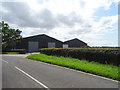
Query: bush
x: 21, y: 51
x: 101, y: 55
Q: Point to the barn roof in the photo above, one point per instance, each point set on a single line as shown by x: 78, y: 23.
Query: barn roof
x: 75, y: 39
x: 42, y: 35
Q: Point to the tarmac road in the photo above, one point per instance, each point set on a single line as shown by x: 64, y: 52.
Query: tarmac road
x: 19, y: 72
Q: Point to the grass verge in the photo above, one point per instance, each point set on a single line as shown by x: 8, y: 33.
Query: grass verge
x: 106, y: 70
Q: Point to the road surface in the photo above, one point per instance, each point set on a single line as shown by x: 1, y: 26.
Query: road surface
x: 19, y: 72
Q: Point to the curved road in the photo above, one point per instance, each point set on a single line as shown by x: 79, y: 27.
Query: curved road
x: 19, y: 72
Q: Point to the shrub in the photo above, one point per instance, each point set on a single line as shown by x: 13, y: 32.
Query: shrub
x: 101, y: 55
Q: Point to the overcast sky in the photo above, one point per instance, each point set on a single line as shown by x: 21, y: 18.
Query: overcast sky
x: 92, y: 21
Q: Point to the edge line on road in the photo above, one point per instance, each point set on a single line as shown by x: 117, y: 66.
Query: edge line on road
x: 4, y: 61
x: 32, y: 78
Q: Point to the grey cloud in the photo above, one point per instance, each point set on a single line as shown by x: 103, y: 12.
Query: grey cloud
x: 42, y: 1
x: 46, y: 19
x: 82, y: 3
x: 69, y: 20
x: 86, y: 28
x: 80, y: 31
x: 18, y: 13
x: 21, y: 14
x: 106, y: 22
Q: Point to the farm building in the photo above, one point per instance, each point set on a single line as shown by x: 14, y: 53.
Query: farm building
x: 34, y: 43
x: 75, y: 43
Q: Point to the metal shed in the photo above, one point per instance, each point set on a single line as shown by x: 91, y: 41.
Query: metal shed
x: 75, y: 43
x: 34, y: 43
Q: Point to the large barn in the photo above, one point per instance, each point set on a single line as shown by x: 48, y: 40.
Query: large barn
x: 34, y: 43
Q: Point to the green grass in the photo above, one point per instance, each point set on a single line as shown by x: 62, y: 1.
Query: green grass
x: 106, y: 70
x: 10, y: 53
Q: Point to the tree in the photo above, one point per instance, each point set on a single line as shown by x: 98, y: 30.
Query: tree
x: 9, y: 35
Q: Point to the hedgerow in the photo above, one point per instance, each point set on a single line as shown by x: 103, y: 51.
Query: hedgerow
x: 20, y: 51
x: 101, y: 55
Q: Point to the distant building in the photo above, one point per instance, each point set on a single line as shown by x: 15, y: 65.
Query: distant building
x: 34, y: 43
x: 75, y: 43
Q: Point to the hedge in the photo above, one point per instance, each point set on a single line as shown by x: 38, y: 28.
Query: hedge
x: 21, y: 51
x: 104, y: 56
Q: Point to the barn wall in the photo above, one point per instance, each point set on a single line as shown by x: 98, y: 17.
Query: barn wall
x: 42, y: 40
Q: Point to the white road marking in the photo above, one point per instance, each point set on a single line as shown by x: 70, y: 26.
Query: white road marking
x: 4, y: 61
x: 32, y: 78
